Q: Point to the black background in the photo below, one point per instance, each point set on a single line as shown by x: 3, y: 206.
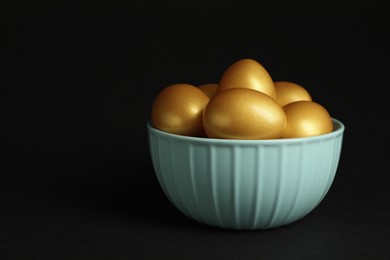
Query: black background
x: 76, y: 179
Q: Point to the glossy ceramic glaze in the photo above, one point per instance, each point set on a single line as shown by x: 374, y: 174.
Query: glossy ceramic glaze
x: 245, y: 184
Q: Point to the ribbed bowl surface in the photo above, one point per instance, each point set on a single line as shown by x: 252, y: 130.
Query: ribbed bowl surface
x: 245, y: 184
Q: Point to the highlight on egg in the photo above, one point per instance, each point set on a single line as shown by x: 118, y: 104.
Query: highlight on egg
x: 242, y: 113
x: 244, y: 104
x: 178, y: 109
x: 306, y: 118
x: 247, y: 73
x: 287, y: 92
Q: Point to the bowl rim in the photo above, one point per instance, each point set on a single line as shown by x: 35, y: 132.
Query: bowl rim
x: 338, y: 129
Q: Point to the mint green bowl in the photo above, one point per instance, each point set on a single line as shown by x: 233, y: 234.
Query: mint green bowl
x: 245, y: 184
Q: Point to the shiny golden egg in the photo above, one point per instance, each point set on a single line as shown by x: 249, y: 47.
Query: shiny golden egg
x: 288, y: 92
x: 247, y: 73
x: 178, y: 109
x: 242, y: 113
x: 306, y: 118
x: 210, y: 89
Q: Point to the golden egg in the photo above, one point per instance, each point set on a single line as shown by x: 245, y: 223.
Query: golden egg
x: 241, y: 113
x: 288, y: 92
x: 306, y: 118
x: 210, y: 89
x: 178, y: 109
x: 247, y: 73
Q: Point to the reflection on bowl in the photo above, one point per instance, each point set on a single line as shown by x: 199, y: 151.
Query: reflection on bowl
x: 245, y: 184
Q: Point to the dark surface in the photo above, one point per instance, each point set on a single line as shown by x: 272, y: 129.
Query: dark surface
x: 76, y: 180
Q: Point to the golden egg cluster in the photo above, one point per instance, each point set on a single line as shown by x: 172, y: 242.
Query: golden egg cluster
x: 245, y: 104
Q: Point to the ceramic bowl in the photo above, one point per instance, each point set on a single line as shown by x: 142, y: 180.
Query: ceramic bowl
x: 245, y: 184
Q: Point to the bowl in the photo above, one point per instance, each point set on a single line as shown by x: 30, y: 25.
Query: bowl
x: 245, y: 184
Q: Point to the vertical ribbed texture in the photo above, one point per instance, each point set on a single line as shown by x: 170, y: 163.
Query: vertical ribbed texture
x: 292, y: 211
x: 313, y: 197
x: 279, y: 187
x: 155, y: 142
x: 214, y: 184
x: 172, y: 182
x: 245, y: 185
x: 194, y: 186
x: 258, y: 187
x: 236, y: 184
x: 337, y: 140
